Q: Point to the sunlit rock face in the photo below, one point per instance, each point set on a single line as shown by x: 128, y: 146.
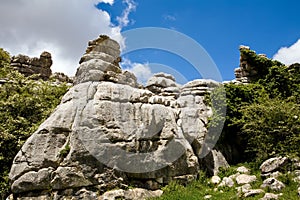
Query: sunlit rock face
x: 110, y: 132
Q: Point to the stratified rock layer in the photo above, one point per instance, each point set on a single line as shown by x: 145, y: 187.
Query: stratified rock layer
x: 30, y: 66
x: 109, y: 132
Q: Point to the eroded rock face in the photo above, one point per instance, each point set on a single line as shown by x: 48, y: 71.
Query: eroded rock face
x: 273, y: 164
x: 246, y: 72
x: 30, y: 66
x: 109, y: 132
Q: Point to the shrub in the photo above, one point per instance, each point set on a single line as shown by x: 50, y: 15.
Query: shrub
x: 24, y: 105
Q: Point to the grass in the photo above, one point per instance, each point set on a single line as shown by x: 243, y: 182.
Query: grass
x: 202, y: 187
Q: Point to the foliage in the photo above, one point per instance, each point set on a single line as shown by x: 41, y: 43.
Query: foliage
x: 271, y: 128
x: 283, y: 82
x: 4, y: 58
x: 238, y: 96
x: 261, y: 64
x: 24, y: 105
x: 263, y: 116
x: 65, y: 151
x: 262, y: 120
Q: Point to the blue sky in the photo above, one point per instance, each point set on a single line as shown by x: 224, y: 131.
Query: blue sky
x: 220, y: 26
x: 64, y: 28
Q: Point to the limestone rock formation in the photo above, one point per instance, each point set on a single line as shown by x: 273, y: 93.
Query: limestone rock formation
x: 29, y: 66
x: 60, y: 78
x: 245, y: 71
x: 110, y: 132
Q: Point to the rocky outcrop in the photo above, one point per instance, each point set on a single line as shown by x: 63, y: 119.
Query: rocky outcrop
x: 273, y: 165
x: 272, y: 172
x: 110, y: 132
x: 133, y: 194
x: 30, y: 66
x: 60, y: 77
x: 246, y: 72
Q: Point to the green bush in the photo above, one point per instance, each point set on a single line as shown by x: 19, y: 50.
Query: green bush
x: 260, y: 64
x: 24, y: 105
x: 271, y: 128
x: 263, y: 116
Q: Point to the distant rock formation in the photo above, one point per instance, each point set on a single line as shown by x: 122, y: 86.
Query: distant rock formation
x: 246, y: 72
x: 61, y: 77
x: 29, y: 66
x: 110, y: 132
x: 253, y: 66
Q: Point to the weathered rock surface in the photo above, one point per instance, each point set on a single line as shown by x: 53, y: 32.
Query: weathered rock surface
x: 253, y: 192
x: 109, y: 132
x: 226, y: 182
x: 243, y: 170
x: 215, y: 179
x: 273, y: 184
x: 30, y: 66
x: 245, y: 179
x: 243, y: 189
x: 269, y: 196
x: 273, y: 164
x: 61, y: 77
x: 246, y: 72
x: 134, y: 194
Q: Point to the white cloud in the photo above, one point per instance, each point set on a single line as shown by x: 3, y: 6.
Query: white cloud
x: 111, y: 2
x: 141, y: 71
x: 123, y: 20
x: 61, y: 27
x: 289, y: 55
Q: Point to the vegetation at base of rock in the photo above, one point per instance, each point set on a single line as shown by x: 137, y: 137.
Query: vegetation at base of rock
x: 24, y: 105
x: 271, y: 128
x: 203, y: 187
x: 263, y: 117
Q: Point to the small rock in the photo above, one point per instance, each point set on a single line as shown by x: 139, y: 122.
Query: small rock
x: 269, y: 196
x: 244, y: 179
x: 273, y: 184
x: 297, y: 176
x: 297, y: 172
x: 273, y: 164
x: 228, y: 182
x: 233, y: 176
x: 243, y: 170
x: 271, y: 175
x: 299, y: 191
x: 296, y: 163
x: 207, y: 196
x: 215, y: 179
x: 133, y: 194
x: 244, y: 189
x: 251, y: 193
